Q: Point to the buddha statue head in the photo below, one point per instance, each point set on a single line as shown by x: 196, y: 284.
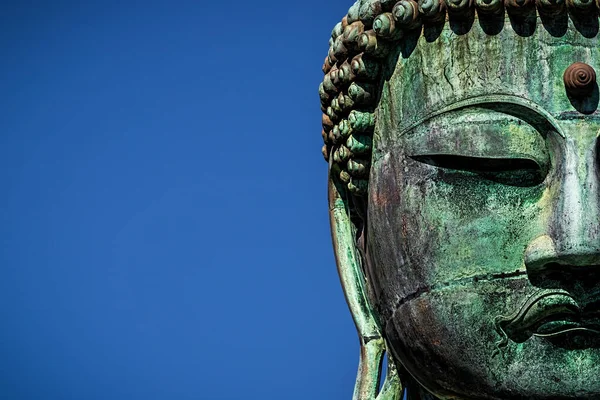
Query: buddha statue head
x: 464, y: 193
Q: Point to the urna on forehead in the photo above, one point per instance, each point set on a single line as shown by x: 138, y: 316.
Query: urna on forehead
x: 418, y: 56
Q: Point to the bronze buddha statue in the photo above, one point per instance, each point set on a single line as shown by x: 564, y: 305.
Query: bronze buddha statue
x: 464, y: 193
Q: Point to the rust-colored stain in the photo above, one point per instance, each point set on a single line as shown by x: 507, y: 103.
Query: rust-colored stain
x: 580, y: 79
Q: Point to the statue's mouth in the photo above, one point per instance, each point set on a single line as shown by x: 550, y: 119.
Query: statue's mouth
x: 551, y: 314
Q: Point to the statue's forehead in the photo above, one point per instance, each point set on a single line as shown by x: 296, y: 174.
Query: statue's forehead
x: 453, y: 68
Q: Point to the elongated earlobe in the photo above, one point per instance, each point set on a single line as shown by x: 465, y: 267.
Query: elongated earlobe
x: 372, y: 343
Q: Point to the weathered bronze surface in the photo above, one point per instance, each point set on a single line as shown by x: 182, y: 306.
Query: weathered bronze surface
x: 464, y: 191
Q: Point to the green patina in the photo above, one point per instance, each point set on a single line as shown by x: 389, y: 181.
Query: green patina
x: 465, y: 197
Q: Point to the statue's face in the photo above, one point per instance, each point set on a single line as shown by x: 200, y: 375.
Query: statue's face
x: 484, y: 217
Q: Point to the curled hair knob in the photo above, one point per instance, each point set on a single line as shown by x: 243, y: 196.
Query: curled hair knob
x: 371, y: 45
x: 362, y: 93
x: 328, y: 85
x: 406, y: 12
x: 360, y: 145
x: 369, y: 10
x: 352, y: 32
x: 324, y: 97
x: 327, y: 123
x: 339, y: 49
x: 345, y: 128
x: 353, y: 13
x: 432, y: 9
x: 358, y: 168
x: 385, y: 26
x: 361, y: 121
x: 579, y: 79
x: 337, y: 31
x: 325, y: 152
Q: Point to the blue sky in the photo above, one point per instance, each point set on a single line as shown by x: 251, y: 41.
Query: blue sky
x: 164, y: 219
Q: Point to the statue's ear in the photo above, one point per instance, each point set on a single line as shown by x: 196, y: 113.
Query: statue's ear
x: 372, y: 343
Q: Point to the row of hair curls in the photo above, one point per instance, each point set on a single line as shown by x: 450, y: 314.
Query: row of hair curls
x: 352, y: 68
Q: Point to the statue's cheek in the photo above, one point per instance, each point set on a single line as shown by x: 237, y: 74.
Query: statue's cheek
x: 445, y: 225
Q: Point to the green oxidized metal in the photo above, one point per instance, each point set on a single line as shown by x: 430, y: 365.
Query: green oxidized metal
x: 462, y: 142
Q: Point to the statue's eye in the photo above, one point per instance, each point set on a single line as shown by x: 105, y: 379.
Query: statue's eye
x: 508, y: 171
x: 487, y: 144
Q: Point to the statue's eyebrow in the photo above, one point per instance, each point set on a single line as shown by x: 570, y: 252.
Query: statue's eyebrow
x: 516, y: 106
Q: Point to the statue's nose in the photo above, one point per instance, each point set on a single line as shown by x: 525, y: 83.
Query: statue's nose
x: 571, y: 246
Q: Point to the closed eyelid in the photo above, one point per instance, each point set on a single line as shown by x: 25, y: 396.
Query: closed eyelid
x: 508, y: 171
x: 511, y: 105
x: 482, y: 136
x: 496, y: 140
x: 482, y: 164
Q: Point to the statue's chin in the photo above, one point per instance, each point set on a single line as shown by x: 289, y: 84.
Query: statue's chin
x: 457, y: 354
x: 551, y: 386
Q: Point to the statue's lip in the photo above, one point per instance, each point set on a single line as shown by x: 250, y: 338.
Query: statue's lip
x: 549, y: 314
x: 554, y: 329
